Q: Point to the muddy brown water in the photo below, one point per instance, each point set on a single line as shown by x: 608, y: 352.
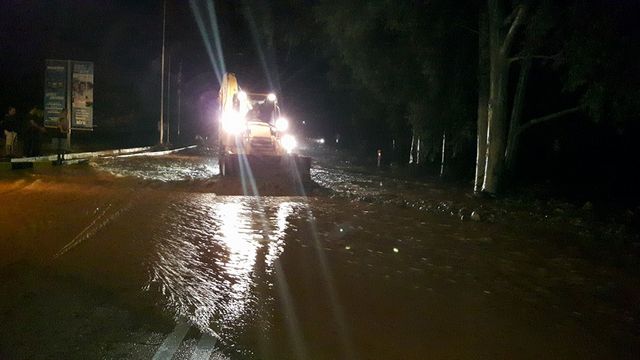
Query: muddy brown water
x: 102, y: 261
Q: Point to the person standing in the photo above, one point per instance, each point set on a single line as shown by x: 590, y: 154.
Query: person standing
x: 33, y: 130
x: 10, y: 125
x: 60, y: 136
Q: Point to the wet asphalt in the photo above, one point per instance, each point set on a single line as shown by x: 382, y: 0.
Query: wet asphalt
x: 146, y: 257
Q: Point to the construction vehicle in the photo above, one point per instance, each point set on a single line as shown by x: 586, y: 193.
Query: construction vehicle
x: 254, y: 138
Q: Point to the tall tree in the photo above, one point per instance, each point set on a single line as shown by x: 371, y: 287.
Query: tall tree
x: 501, y: 40
x: 483, y: 99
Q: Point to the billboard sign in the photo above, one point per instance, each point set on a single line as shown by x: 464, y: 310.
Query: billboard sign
x: 82, y: 95
x: 55, y: 91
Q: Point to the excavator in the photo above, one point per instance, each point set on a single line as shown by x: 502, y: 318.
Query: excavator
x: 254, y: 138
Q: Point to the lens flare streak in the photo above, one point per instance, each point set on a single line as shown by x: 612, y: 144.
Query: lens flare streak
x: 215, y: 57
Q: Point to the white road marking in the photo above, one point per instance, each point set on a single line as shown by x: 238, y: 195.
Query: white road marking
x: 172, y: 342
x: 205, y: 347
x: 87, y: 230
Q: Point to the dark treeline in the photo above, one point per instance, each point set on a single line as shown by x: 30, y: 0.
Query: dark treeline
x: 511, y: 91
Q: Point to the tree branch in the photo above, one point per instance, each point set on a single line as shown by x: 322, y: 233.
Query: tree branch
x: 549, y: 117
x: 508, y: 39
x: 509, y: 19
x: 542, y: 57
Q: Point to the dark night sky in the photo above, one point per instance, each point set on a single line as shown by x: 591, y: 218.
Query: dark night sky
x: 120, y: 39
x: 123, y: 39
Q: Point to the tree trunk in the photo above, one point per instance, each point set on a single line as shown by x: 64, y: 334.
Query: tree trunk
x: 483, y: 98
x: 412, y: 154
x: 419, y: 153
x: 499, y: 48
x: 513, y: 137
x: 443, y: 158
x: 496, y: 121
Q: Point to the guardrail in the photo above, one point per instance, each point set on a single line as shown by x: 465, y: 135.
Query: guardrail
x: 83, y: 155
x: 75, y: 158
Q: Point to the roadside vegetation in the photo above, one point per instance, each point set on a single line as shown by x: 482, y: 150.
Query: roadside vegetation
x: 498, y: 93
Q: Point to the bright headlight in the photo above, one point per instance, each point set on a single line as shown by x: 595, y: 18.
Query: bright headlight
x: 288, y: 143
x: 232, y: 122
x: 242, y: 96
x: 282, y: 124
x: 271, y: 97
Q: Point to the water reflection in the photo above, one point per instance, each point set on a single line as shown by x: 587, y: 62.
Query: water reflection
x: 212, y: 253
x: 166, y: 168
x: 275, y: 245
x: 236, y: 236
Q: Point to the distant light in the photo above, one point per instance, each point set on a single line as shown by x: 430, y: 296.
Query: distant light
x: 288, y: 142
x: 320, y: 141
x: 347, y: 247
x: 282, y: 124
x: 304, y: 122
x: 395, y: 250
x: 341, y: 229
x: 271, y: 97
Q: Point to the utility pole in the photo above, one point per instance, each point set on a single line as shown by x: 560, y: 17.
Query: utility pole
x: 69, y: 101
x: 164, y: 22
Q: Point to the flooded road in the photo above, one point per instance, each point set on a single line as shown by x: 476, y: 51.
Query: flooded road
x: 144, y: 257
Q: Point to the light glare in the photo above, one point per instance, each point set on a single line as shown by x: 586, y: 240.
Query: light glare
x: 282, y: 124
x: 232, y: 122
x: 288, y: 143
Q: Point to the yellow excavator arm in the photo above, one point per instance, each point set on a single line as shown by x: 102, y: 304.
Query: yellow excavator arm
x: 228, y: 92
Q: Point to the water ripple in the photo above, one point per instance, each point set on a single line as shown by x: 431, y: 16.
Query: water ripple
x: 212, y: 254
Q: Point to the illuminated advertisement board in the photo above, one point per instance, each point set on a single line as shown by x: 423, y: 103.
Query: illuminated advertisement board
x: 69, y: 84
x: 82, y: 95
x: 55, y: 91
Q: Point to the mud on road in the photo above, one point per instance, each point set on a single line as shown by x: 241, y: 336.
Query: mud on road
x: 107, y: 260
